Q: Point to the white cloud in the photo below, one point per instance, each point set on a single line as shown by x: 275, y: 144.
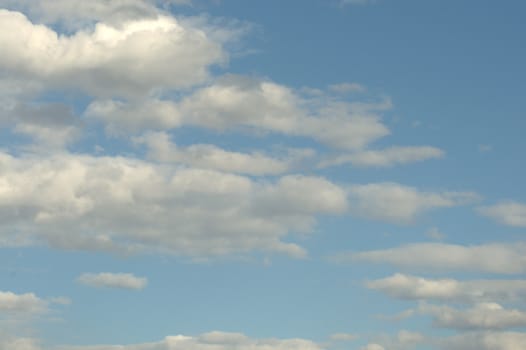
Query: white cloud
x: 343, y: 337
x: 397, y: 203
x: 435, y: 234
x: 161, y: 148
x: 10, y: 343
x: 242, y: 103
x: 51, y: 126
x: 491, y: 316
x: 27, y: 303
x: 386, y: 157
x: 485, y: 341
x: 373, y: 346
x: 79, y: 13
x: 344, y: 88
x: 417, y: 288
x: 507, y: 213
x: 113, y: 280
x: 356, y: 2
x: 134, y: 57
x: 498, y: 258
x: 125, y: 205
x: 213, y: 341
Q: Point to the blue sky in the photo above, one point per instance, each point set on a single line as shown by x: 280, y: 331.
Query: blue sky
x: 262, y: 175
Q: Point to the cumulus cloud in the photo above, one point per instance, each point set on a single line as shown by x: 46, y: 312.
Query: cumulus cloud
x: 131, y: 58
x: 499, y: 258
x: 409, y: 287
x: 113, y: 280
x: 507, y: 213
x: 213, y: 341
x: 250, y: 104
x: 397, y: 203
x: 125, y: 205
x: 386, y: 157
x: 161, y: 148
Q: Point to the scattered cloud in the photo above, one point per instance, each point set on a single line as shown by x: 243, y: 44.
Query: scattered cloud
x: 508, y: 213
x: 113, y: 280
x: 498, y: 258
x: 401, y: 204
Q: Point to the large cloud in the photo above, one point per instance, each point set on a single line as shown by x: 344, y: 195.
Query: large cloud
x: 131, y: 58
x: 124, y: 204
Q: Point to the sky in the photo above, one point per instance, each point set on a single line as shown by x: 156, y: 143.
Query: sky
x: 262, y: 175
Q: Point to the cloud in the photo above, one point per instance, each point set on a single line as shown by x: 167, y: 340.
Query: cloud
x: 113, y: 280
x: 485, y: 341
x: 21, y: 304
x: 344, y: 88
x: 205, y: 156
x: 373, y: 346
x: 10, y: 343
x: 356, y: 2
x: 343, y: 337
x: 132, y: 58
x: 507, y: 213
x: 127, y: 205
x: 499, y: 258
x: 213, y: 341
x: 237, y: 103
x: 409, y: 287
x: 491, y: 316
x: 400, y: 204
x: 75, y: 14
x: 386, y: 157
x: 51, y: 126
